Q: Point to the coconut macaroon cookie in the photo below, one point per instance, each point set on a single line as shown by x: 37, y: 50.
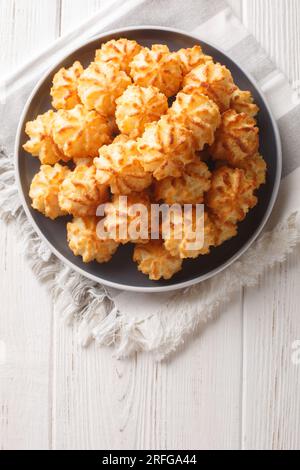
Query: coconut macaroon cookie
x: 166, y: 147
x: 119, y: 52
x: 157, y: 67
x: 119, y: 166
x: 199, y: 114
x: 243, y: 102
x: 41, y: 143
x: 224, y: 231
x: 188, y: 241
x: 80, y: 194
x: 191, y: 57
x: 236, y: 139
x: 255, y: 169
x: 64, y: 89
x: 45, y: 187
x: 155, y: 261
x: 84, y: 241
x: 188, y: 188
x: 231, y: 194
x: 79, y: 132
x: 137, y: 107
x: 213, y: 80
x: 128, y: 221
x: 100, y: 85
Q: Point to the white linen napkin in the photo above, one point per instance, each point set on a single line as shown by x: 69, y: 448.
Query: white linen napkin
x: 157, y: 323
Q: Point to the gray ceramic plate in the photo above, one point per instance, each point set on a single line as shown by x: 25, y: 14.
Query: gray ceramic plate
x: 121, y: 272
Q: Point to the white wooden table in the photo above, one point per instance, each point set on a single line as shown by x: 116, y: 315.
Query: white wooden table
x: 235, y: 386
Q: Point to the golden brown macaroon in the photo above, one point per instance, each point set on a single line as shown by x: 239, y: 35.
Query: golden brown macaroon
x: 80, y: 133
x: 231, y: 195
x: 64, y: 90
x: 41, y: 143
x: 84, y: 241
x: 120, y: 52
x: 157, y: 67
x: 100, y: 85
x: 127, y: 219
x: 199, y: 114
x: 155, y: 261
x: 119, y: 167
x: 236, y: 139
x: 255, y: 169
x: 188, y: 188
x: 137, y: 107
x: 166, y: 147
x: 45, y: 187
x: 213, y: 80
x: 189, y: 241
x: 243, y: 102
x: 191, y: 57
x: 80, y: 194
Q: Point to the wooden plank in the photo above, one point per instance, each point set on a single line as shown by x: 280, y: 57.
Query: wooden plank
x: 33, y: 24
x: 25, y: 373
x: 203, y: 387
x: 6, y: 34
x: 271, y: 401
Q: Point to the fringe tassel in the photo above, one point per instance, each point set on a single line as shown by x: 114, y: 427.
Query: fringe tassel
x: 10, y: 203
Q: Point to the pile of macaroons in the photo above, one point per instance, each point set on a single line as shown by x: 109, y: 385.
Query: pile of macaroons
x: 113, y: 133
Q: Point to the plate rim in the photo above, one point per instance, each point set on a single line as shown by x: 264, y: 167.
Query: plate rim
x: 144, y: 289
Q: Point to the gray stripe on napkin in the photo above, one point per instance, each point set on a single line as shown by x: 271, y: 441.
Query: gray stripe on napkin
x: 290, y: 138
x: 186, y: 15
x: 249, y: 54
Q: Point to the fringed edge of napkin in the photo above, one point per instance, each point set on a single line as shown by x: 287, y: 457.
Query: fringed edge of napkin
x: 81, y: 299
